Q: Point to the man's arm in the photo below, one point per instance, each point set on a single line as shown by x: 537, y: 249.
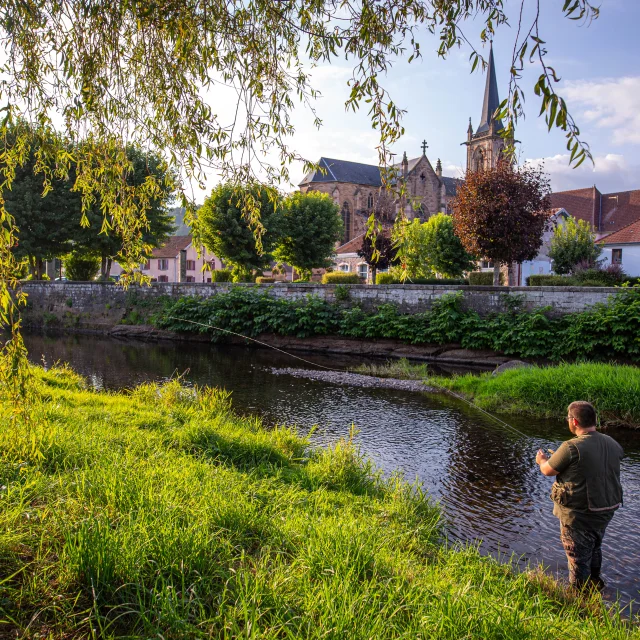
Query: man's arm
x: 543, y: 460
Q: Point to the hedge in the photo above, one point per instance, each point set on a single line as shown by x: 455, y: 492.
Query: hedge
x: 221, y: 275
x: 341, y: 277
x: 264, y: 280
x: 483, y: 278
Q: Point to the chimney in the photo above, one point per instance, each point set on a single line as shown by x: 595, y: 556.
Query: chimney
x: 439, y: 168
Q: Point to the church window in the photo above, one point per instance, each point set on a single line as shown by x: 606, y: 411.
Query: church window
x: 346, y: 221
x: 370, y: 201
x: 478, y: 164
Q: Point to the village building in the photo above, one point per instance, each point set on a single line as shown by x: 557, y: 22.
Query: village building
x: 177, y: 261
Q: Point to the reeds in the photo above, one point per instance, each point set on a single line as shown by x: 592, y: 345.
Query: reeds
x: 160, y: 513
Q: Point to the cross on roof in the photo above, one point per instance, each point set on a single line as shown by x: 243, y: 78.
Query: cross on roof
x: 425, y: 146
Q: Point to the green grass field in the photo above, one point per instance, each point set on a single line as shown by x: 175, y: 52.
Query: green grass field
x: 159, y: 513
x: 537, y: 391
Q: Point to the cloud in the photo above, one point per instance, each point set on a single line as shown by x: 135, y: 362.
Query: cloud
x: 612, y: 103
x: 611, y: 172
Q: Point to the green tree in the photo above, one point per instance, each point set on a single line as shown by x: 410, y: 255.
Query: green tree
x: 226, y: 231
x: 500, y: 214
x: 410, y: 242
x: 104, y: 239
x: 81, y: 265
x: 310, y: 226
x: 572, y: 243
x: 444, y: 252
x: 47, y: 226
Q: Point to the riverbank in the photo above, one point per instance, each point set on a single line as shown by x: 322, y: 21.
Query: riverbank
x: 161, y: 512
x: 537, y: 391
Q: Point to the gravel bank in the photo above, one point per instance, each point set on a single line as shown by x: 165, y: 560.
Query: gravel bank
x: 354, y: 379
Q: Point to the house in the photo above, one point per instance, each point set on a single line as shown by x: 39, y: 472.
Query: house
x: 178, y: 261
x: 347, y: 259
x: 623, y: 247
x: 615, y: 218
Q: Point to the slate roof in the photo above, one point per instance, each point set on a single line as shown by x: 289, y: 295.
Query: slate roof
x: 172, y: 247
x: 627, y: 235
x: 451, y: 185
x: 491, y: 98
x: 345, y: 171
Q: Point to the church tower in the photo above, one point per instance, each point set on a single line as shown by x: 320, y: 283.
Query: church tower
x: 485, y: 146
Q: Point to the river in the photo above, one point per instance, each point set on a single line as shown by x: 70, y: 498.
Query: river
x: 484, y: 476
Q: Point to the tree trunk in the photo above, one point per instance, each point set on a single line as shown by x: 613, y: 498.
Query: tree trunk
x: 107, y: 274
x: 32, y: 267
x: 496, y: 274
x: 39, y: 265
x: 103, y: 267
x: 374, y: 273
x: 512, y: 274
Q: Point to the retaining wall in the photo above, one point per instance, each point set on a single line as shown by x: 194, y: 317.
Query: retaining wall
x: 106, y: 304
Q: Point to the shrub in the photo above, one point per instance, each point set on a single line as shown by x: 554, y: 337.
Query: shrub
x: 221, y: 275
x: 81, y: 266
x: 609, y: 276
x: 385, y: 278
x: 572, y: 243
x: 341, y: 277
x: 301, y: 280
x: 483, y: 278
x: 264, y: 280
x: 550, y: 280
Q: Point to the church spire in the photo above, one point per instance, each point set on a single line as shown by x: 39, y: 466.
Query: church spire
x: 491, y: 99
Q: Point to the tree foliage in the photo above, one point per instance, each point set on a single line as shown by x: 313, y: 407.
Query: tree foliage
x: 81, y: 265
x: 226, y: 232
x: 410, y: 243
x: 309, y: 225
x: 444, y: 251
x: 573, y: 243
x: 500, y: 214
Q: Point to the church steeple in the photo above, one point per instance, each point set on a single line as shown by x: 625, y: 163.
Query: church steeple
x: 491, y: 99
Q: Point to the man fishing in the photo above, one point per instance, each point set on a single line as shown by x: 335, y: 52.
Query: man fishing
x: 586, y: 493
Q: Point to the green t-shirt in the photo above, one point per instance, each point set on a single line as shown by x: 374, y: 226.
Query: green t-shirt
x: 587, y: 490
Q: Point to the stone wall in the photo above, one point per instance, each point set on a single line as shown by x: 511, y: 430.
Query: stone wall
x: 99, y: 305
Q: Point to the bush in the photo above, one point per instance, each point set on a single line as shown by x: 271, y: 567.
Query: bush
x: 81, y: 267
x: 264, y: 280
x: 385, y: 278
x: 609, y: 276
x: 550, y: 280
x: 301, y: 280
x: 221, y: 275
x: 389, y: 278
x: 483, y: 278
x: 341, y: 277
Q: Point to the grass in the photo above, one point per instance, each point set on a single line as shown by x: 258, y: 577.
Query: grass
x: 160, y: 513
x: 538, y: 391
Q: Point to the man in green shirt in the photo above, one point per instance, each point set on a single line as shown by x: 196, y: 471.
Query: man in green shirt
x: 586, y: 492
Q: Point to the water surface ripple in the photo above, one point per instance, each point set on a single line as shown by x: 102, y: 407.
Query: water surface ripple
x: 484, y: 476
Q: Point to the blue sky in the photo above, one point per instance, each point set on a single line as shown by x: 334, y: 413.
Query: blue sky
x: 600, y: 69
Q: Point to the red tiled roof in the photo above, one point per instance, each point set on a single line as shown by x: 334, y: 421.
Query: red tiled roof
x: 619, y: 210
x: 353, y: 246
x: 605, y: 212
x: 579, y: 203
x: 172, y: 247
x: 627, y: 235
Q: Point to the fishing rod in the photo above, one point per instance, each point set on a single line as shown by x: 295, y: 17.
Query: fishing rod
x: 440, y: 388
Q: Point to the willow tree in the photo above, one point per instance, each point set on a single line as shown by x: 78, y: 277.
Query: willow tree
x: 108, y: 74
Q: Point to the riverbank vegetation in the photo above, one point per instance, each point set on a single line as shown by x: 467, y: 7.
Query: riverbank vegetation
x: 603, y: 332
x: 159, y: 513
x: 537, y: 391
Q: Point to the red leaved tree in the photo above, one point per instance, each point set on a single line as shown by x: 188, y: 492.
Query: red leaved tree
x: 377, y: 247
x: 500, y: 214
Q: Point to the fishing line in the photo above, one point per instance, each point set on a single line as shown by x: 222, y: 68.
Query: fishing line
x: 509, y: 427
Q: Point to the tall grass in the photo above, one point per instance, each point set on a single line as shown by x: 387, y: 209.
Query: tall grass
x: 159, y: 513
x: 537, y: 391
x: 547, y: 391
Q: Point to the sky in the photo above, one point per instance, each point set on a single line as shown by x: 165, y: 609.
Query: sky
x: 599, y: 65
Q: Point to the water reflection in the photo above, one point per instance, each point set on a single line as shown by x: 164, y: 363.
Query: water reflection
x: 483, y: 474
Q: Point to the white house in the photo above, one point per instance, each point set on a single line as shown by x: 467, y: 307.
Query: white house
x: 623, y: 247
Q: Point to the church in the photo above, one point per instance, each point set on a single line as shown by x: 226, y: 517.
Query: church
x: 354, y: 186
